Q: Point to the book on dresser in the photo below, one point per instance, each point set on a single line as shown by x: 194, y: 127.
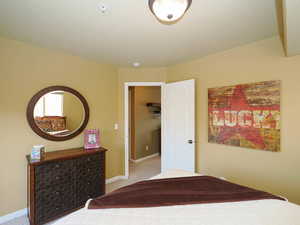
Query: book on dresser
x: 62, y: 181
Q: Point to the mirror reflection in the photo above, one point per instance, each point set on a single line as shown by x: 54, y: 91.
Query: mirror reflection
x: 59, y: 113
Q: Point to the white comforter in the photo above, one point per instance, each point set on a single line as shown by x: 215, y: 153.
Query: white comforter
x: 262, y: 212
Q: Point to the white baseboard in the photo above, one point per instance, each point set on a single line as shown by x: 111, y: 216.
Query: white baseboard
x: 145, y: 158
x: 114, y: 179
x: 14, y: 215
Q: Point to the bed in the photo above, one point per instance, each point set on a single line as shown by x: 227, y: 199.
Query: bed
x: 256, y: 212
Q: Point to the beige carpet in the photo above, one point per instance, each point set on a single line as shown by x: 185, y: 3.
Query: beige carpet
x: 137, y: 172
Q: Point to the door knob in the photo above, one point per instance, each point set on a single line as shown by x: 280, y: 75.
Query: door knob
x: 190, y: 141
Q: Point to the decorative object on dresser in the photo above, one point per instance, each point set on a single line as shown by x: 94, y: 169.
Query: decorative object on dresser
x: 62, y: 181
x: 91, y: 138
x: 36, y: 152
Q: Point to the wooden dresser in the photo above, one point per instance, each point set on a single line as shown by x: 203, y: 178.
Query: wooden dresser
x: 62, y: 181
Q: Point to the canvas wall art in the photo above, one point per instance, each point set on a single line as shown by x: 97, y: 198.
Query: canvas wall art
x: 246, y: 115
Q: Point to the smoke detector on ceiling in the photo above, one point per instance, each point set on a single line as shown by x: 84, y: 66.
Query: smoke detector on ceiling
x: 136, y: 64
x: 103, y: 7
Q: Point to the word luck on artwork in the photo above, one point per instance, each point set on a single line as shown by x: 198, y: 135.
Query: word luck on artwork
x: 246, y: 118
x: 245, y: 115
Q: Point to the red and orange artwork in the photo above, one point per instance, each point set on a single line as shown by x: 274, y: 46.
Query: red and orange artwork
x: 246, y: 115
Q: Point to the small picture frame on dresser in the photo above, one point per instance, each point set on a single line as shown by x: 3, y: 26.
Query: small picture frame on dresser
x: 91, y: 138
x: 37, y: 152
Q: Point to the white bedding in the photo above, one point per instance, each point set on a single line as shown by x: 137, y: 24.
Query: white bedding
x: 262, y: 212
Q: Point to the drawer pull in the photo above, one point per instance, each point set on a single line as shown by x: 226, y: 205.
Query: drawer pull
x: 88, y: 159
x: 57, y: 165
x: 57, y: 178
x: 57, y: 193
x: 89, y: 183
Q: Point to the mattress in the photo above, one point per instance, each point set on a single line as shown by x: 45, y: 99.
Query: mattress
x: 261, y: 212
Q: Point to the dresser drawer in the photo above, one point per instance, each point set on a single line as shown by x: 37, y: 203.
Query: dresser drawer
x: 52, y: 173
x: 63, y: 181
x: 90, y: 160
x: 55, y: 200
x: 90, y: 167
x: 89, y: 189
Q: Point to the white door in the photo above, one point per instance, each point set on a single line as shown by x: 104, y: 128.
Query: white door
x: 178, y: 126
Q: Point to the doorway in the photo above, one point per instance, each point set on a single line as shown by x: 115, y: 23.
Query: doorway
x: 142, y: 129
x: 177, y: 125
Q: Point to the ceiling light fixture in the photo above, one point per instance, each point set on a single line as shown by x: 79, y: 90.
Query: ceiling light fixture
x: 169, y: 11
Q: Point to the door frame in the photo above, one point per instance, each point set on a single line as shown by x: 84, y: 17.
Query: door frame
x: 126, y: 117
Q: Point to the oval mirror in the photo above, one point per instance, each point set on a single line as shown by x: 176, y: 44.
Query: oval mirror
x: 58, y: 113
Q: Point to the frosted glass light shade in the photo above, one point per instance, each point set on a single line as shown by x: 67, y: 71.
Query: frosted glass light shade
x: 169, y: 10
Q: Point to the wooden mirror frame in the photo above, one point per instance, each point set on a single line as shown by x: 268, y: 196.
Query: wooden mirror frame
x: 37, y: 96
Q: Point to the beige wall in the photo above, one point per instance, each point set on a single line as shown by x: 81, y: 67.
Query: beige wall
x: 24, y: 70
x: 133, y: 75
x: 147, y: 125
x: 260, y: 61
x: 73, y: 111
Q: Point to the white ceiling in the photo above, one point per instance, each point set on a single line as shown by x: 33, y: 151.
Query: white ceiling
x: 128, y: 32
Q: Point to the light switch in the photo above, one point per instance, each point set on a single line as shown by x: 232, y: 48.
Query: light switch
x: 116, y: 126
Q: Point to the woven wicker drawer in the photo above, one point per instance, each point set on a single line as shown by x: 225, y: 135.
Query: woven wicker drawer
x: 89, y: 167
x: 88, y: 189
x: 62, y: 182
x: 52, y: 173
x: 54, y: 200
